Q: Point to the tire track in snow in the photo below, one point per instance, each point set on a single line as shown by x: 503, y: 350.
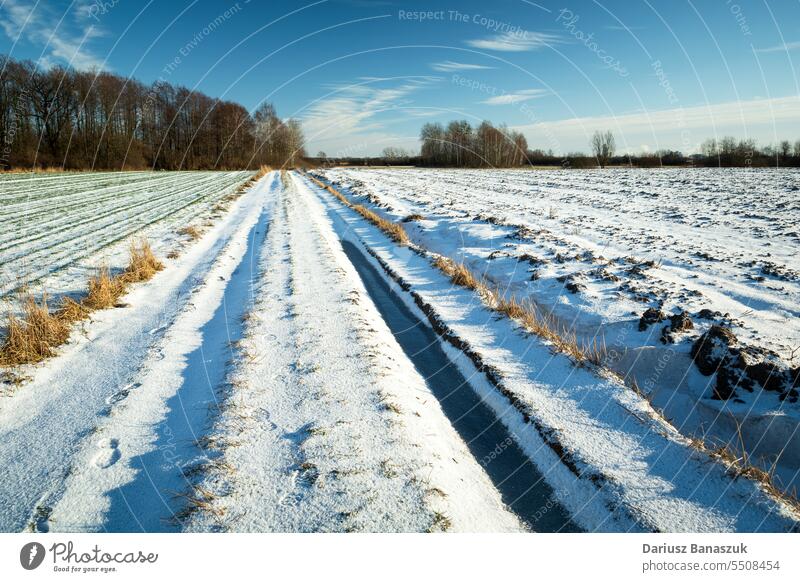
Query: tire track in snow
x: 329, y: 426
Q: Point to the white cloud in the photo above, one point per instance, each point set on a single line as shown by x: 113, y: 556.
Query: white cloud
x: 522, y: 40
x: 62, y: 38
x: 681, y: 128
x: 357, y: 114
x: 450, y: 66
x: 518, y: 97
x: 789, y: 46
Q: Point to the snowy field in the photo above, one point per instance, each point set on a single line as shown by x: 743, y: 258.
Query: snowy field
x: 54, y: 228
x: 294, y: 369
x: 598, y: 249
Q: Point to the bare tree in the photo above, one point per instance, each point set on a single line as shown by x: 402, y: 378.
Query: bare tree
x: 99, y: 120
x: 392, y: 153
x: 603, y: 147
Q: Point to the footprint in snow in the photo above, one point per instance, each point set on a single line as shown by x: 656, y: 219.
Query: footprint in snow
x: 121, y: 394
x: 108, y: 453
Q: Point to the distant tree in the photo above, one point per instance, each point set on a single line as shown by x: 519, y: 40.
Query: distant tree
x: 322, y: 155
x: 709, y: 148
x: 785, y: 148
x: 603, y: 147
x: 797, y: 149
x: 392, y: 153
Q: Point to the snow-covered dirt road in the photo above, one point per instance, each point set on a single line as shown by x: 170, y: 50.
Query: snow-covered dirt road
x: 277, y: 377
x: 326, y: 424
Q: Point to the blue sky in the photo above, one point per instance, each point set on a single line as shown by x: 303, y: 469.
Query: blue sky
x: 363, y: 75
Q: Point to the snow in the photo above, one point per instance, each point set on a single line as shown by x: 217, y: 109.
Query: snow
x: 680, y: 240
x: 54, y: 229
x: 125, y: 421
x: 334, y: 428
x: 253, y: 385
x: 650, y: 477
x: 70, y: 419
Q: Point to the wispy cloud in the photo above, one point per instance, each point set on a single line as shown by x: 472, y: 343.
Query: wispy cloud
x: 518, y: 97
x: 450, y: 66
x: 353, y: 113
x: 787, y: 46
x: 62, y: 38
x: 622, y: 27
x: 515, y: 41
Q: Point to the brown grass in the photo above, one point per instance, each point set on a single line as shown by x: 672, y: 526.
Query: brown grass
x: 262, y: 171
x: 142, y: 264
x: 738, y: 464
x: 413, y: 217
x: 192, y: 232
x: 526, y: 313
x: 33, y: 337
x: 458, y: 273
x: 395, y: 231
x: 71, y: 311
x: 35, y: 334
x: 198, y: 499
x: 104, y: 290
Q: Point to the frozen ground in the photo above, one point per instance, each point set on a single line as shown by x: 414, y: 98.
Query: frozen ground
x: 597, y: 249
x: 284, y: 374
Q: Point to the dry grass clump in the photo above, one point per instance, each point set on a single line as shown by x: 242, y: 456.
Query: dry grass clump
x: 104, y: 290
x: 458, y: 273
x: 192, y: 232
x: 526, y: 313
x: 71, y: 311
x: 737, y: 463
x: 563, y: 339
x: 413, y: 217
x: 262, y: 171
x: 143, y: 264
x: 35, y: 334
x: 394, y: 230
x: 31, y: 339
x: 198, y: 499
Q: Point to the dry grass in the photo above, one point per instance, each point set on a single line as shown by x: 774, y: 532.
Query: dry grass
x: 198, y: 499
x: 413, y: 217
x: 262, y: 171
x: 395, y: 231
x: 104, y: 290
x: 738, y: 464
x: 192, y: 232
x: 33, y: 337
x: 142, y: 264
x: 458, y: 273
x: 526, y: 313
x: 71, y: 311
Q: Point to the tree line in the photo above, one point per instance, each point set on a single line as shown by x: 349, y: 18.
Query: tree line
x: 61, y: 117
x: 461, y: 145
